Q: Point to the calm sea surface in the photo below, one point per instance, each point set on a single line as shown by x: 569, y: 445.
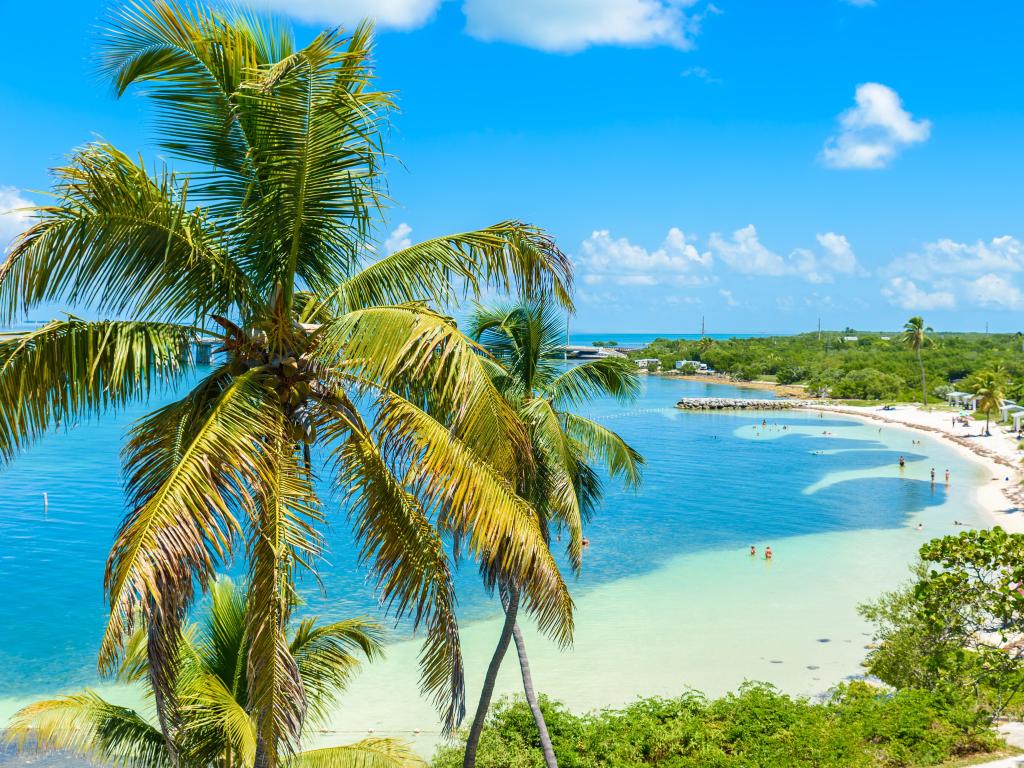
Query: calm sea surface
x: 824, y: 492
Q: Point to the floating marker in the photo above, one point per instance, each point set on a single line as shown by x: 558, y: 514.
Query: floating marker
x: 46, y: 502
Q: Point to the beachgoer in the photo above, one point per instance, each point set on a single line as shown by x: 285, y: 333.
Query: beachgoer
x: 947, y: 477
x: 586, y: 543
x: 903, y: 462
x: 920, y: 526
x: 933, y: 474
x: 767, y: 553
x: 753, y: 550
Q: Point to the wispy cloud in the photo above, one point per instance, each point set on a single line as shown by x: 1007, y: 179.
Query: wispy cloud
x: 872, y: 133
x: 394, y: 14
x: 12, y: 220
x: 701, y: 73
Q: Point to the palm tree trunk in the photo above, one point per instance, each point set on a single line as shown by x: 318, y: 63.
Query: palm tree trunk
x: 924, y: 388
x: 510, y: 602
x: 531, y: 698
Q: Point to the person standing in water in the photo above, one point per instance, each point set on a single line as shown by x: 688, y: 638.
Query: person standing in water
x: 903, y: 462
x: 767, y: 553
x: 933, y: 475
x: 947, y: 477
x: 753, y: 551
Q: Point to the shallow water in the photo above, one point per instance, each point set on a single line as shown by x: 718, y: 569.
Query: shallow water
x: 668, y: 598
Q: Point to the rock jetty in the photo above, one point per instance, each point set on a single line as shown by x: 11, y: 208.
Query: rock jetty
x: 739, y: 404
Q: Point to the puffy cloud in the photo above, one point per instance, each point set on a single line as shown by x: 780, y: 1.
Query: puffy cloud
x: 398, y: 239
x: 744, y: 253
x: 948, y: 257
x: 12, y: 221
x: 602, y: 256
x: 906, y: 294
x: 730, y: 300
x: 995, y: 291
x: 874, y: 131
x: 572, y: 25
x: 396, y: 14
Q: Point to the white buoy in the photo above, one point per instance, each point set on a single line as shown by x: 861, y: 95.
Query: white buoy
x: 46, y: 502
x: 369, y: 730
x: 417, y: 731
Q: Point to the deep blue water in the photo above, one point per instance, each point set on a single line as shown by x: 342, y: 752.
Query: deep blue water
x: 642, y: 339
x: 704, y: 488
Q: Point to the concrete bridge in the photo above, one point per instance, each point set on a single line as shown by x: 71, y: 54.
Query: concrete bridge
x: 575, y: 352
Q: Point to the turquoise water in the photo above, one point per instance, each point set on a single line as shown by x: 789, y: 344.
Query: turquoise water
x: 668, y: 597
x: 641, y: 339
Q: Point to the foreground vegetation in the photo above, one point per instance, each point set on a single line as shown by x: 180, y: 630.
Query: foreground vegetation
x: 877, y: 366
x: 859, y: 725
x: 947, y: 660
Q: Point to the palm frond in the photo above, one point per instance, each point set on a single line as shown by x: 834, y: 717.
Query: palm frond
x: 404, y: 552
x: 328, y: 656
x: 602, y: 445
x: 478, y: 505
x: 411, y: 350
x: 216, y: 725
x: 69, y: 368
x: 121, y: 240
x: 507, y: 256
x: 86, y: 725
x: 368, y: 753
x: 189, y: 465
x: 606, y: 376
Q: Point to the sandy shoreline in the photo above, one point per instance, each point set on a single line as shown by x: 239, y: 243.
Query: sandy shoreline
x: 782, y: 390
x: 1002, y: 497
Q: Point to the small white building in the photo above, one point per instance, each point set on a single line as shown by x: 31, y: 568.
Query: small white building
x: 697, y: 365
x: 647, y: 362
x: 850, y: 338
x: 958, y: 398
x: 1008, y: 408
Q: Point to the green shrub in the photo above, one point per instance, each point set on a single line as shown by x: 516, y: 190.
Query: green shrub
x: 858, y: 726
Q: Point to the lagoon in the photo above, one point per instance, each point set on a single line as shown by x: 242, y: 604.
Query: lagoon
x: 668, y: 598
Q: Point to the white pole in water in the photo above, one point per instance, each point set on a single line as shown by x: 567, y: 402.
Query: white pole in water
x: 46, y: 502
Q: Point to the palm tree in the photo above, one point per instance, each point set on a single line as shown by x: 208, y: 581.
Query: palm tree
x: 217, y: 727
x: 989, y: 387
x: 563, y: 485
x: 915, y: 337
x: 266, y: 246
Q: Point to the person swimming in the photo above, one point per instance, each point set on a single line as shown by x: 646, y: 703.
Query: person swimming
x: 920, y: 526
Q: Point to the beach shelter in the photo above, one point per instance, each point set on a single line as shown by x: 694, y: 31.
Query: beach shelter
x: 1017, y: 418
x: 1008, y: 408
x: 957, y: 398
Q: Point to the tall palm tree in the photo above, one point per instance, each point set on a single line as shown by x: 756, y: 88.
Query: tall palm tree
x: 989, y: 386
x: 217, y: 726
x: 915, y: 337
x: 562, y: 485
x: 265, y: 244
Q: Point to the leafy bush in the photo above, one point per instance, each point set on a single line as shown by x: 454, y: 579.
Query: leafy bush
x: 858, y: 726
x: 867, y: 384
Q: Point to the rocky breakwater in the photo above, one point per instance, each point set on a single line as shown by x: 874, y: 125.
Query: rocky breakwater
x: 741, y: 404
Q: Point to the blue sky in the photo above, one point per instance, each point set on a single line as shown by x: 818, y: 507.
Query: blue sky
x: 758, y: 163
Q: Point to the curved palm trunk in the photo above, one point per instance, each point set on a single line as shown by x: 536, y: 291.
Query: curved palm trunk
x: 531, y: 698
x: 510, y: 602
x: 924, y: 388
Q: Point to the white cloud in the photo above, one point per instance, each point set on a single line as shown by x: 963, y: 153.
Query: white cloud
x: 743, y: 252
x: 874, y: 131
x: 12, y: 221
x: 398, y: 239
x: 602, y: 256
x: 396, y: 14
x: 995, y: 291
x: 701, y: 73
x: 860, y: 3
x: 675, y: 300
x: 906, y: 294
x: 948, y: 257
x: 730, y: 300
x: 572, y: 25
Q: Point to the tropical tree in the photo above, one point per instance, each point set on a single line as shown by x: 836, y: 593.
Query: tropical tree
x: 989, y: 387
x: 915, y: 337
x: 217, y: 727
x: 264, y: 243
x: 563, y: 485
